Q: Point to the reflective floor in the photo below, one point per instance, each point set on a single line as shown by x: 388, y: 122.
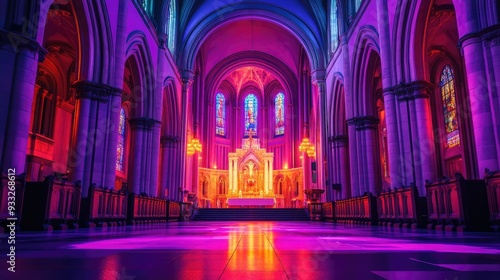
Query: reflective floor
x: 253, y: 250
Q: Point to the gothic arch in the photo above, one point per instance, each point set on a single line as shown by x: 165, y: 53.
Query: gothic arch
x: 138, y: 54
x: 273, y: 14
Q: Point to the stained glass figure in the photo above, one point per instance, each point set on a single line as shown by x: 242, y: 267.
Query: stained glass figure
x: 448, y: 98
x: 121, y: 141
x: 251, y: 110
x: 279, y: 107
x: 220, y: 114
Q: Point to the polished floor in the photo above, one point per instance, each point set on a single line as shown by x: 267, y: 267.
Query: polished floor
x: 253, y: 250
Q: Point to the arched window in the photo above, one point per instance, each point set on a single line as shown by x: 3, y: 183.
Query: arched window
x: 251, y: 110
x: 220, y: 114
x: 357, y: 4
x: 171, y: 26
x: 147, y: 5
x: 279, y: 109
x: 120, y: 149
x: 449, y: 102
x: 334, y: 27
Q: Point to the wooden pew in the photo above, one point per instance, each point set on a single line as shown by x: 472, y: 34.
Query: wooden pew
x: 358, y: 210
x: 328, y: 211
x: 51, y: 203
x: 104, y: 207
x: 402, y: 208
x: 143, y: 209
x: 493, y: 190
x: 458, y: 204
x: 173, y: 211
x: 6, y: 191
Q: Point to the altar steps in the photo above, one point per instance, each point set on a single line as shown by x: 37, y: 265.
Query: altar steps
x: 251, y: 214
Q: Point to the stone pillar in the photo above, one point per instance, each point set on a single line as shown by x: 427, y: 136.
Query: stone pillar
x: 87, y: 157
x: 155, y: 157
x: 318, y: 79
x: 341, y: 146
x: 168, y: 147
x: 187, y: 79
x: 19, y: 70
x: 271, y: 183
x: 230, y: 175
x: 389, y: 98
x: 235, y: 173
x: 142, y: 129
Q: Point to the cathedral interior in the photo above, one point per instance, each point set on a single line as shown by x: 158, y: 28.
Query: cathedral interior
x: 259, y: 139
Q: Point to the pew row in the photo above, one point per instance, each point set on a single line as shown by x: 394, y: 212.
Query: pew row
x: 493, y: 189
x: 357, y: 210
x: 143, y: 209
x: 11, y: 199
x: 51, y: 203
x: 104, y: 207
x: 402, y: 208
x: 458, y: 204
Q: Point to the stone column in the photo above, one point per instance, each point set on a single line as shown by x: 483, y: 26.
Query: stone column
x: 87, y: 158
x: 19, y: 68
x: 235, y: 173
x: 168, y: 146
x: 389, y: 98
x: 230, y: 175
x: 141, y: 147
x: 155, y: 153
x: 318, y: 79
x: 271, y: 183
x: 187, y: 79
x: 339, y: 145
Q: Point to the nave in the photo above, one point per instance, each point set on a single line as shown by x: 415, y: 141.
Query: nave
x: 255, y: 250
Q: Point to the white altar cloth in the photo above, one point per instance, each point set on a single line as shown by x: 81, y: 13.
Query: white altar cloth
x: 251, y: 201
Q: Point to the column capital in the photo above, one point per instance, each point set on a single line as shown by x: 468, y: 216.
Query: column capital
x: 19, y: 42
x: 363, y: 122
x: 169, y: 141
x: 318, y: 77
x: 413, y: 90
x: 338, y: 140
x: 143, y: 123
x: 491, y: 34
x: 187, y: 76
x: 95, y: 91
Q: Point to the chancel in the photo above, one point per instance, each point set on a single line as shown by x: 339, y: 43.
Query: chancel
x: 256, y: 139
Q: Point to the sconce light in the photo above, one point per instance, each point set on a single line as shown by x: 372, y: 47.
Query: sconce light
x: 193, y: 147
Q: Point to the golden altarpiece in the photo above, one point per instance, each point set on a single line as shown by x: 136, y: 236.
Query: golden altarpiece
x: 250, y: 176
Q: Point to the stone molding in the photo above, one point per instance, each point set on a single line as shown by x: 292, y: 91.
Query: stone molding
x: 169, y: 141
x: 95, y: 91
x: 143, y: 123
x: 364, y: 122
x: 413, y: 90
x: 20, y: 42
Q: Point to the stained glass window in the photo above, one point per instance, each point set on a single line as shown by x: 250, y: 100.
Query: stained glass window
x: 121, y: 141
x: 279, y: 108
x: 171, y: 26
x: 220, y: 114
x: 251, y: 110
x: 334, y: 27
x: 448, y: 98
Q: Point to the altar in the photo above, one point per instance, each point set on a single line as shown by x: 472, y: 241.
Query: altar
x: 264, y: 202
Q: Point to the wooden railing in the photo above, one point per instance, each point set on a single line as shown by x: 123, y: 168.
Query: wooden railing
x: 458, y: 204
x: 173, y: 211
x: 51, y: 203
x: 146, y: 209
x: 328, y: 214
x: 361, y: 210
x: 493, y: 190
x: 104, y: 207
x: 402, y: 208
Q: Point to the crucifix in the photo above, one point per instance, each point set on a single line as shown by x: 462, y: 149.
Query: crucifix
x: 250, y: 137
